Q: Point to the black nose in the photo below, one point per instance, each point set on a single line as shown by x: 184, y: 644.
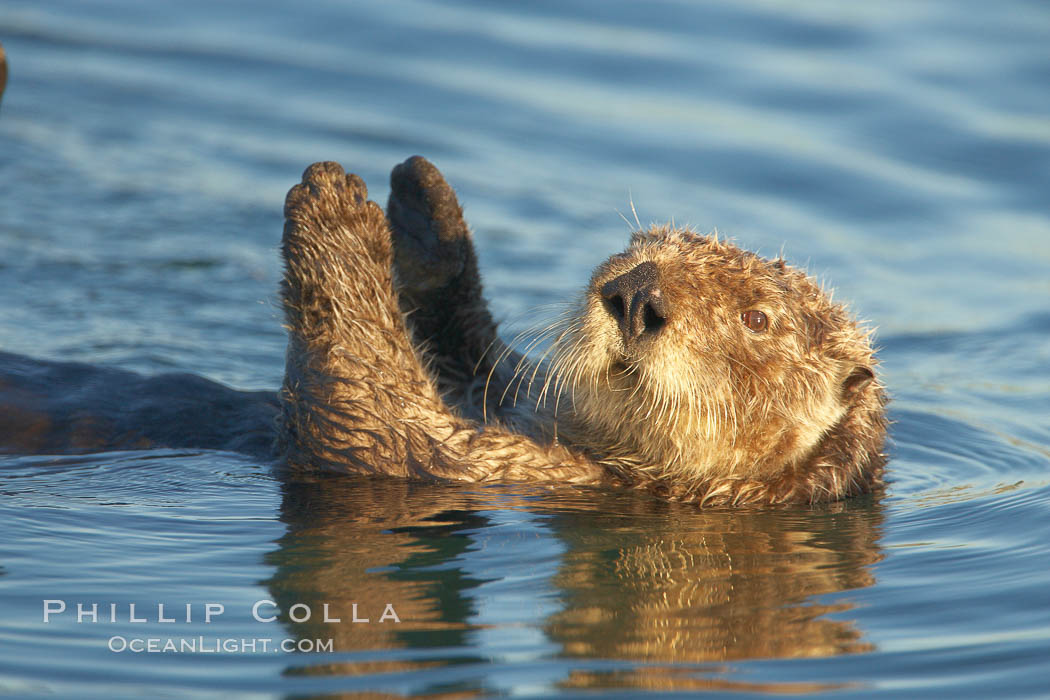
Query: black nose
x: 634, y: 299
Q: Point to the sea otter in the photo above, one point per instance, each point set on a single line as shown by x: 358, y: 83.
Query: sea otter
x: 688, y: 366
x: 3, y: 72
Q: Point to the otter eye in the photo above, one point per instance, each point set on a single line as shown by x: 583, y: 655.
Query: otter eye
x: 754, y: 320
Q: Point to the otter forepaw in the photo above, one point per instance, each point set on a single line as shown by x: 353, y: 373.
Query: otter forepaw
x: 337, y: 253
x: 325, y: 184
x: 330, y: 210
x: 432, y: 243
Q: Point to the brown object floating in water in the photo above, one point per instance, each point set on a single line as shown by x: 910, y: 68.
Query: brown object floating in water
x: 3, y: 72
x: 688, y: 367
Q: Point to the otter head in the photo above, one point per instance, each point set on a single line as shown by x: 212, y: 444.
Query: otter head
x: 690, y: 360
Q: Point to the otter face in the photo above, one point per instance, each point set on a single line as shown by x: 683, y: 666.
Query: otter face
x: 689, y: 357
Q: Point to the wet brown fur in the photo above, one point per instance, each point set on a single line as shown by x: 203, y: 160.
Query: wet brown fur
x: 3, y: 71
x: 355, y: 395
x: 394, y: 366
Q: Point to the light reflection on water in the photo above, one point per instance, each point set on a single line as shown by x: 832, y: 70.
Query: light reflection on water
x: 900, y: 151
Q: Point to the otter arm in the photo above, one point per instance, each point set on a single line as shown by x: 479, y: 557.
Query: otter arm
x: 440, y: 291
x: 355, y: 396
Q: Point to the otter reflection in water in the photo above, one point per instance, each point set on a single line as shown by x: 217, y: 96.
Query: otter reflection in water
x: 688, y: 367
x: 630, y: 578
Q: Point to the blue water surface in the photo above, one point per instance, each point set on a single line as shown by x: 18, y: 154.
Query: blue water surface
x: 900, y: 151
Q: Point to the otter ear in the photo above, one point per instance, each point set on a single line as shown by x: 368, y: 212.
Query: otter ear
x: 859, y: 378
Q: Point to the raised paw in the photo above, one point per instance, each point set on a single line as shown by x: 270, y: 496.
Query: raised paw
x: 325, y: 181
x: 329, y: 211
x: 432, y: 244
x: 326, y: 197
x: 439, y: 286
x: 337, y: 251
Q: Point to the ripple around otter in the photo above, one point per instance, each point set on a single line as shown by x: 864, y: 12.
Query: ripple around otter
x: 899, y: 152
